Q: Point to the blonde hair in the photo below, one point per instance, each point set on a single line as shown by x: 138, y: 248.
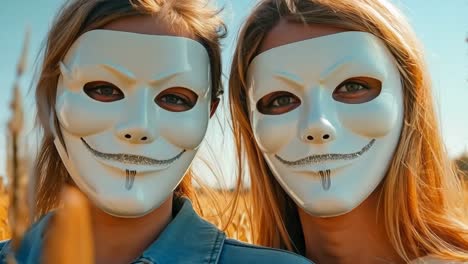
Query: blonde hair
x: 79, y: 16
x: 421, y: 198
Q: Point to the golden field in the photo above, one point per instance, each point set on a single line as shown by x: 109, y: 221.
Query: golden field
x: 4, y: 228
x: 239, y: 228
x: 216, y: 203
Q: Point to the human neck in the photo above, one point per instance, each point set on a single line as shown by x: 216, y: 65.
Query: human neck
x: 122, y: 240
x: 356, y: 237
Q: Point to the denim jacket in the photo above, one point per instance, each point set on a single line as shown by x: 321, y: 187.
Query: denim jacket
x: 186, y: 239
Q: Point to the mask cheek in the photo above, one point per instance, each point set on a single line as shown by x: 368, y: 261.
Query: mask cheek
x: 373, y: 119
x: 81, y: 117
x: 185, y: 129
x: 273, y: 132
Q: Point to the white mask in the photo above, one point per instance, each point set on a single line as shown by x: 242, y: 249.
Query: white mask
x: 329, y: 156
x: 129, y: 155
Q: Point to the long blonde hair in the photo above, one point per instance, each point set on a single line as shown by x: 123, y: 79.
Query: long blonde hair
x: 421, y: 198
x: 79, y: 16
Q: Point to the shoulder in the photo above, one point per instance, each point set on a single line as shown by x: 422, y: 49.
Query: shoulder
x: 31, y: 243
x: 4, y: 250
x: 4, y: 245
x: 238, y: 252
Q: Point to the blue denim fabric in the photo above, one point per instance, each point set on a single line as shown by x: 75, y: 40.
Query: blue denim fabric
x: 187, y: 239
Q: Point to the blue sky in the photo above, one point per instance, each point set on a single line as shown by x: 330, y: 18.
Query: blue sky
x: 442, y: 27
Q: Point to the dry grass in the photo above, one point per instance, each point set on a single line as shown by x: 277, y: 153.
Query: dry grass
x: 4, y: 228
x: 239, y: 228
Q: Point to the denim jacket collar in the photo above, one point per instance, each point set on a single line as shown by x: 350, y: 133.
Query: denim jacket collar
x: 186, y: 237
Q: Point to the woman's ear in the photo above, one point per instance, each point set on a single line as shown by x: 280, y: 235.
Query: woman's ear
x: 214, y: 106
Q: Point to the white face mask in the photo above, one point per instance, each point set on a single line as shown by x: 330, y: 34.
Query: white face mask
x: 128, y: 155
x: 328, y: 155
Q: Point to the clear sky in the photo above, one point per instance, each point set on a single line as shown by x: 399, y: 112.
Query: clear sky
x: 442, y: 27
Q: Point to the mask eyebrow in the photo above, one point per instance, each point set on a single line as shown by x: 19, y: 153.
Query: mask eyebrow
x: 159, y: 78
x: 289, y: 78
x: 334, y: 69
x: 113, y: 69
x: 350, y: 62
x: 118, y: 70
x: 75, y: 72
x: 130, y: 76
x: 168, y: 75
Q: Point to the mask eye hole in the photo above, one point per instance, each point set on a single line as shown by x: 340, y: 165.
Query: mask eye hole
x: 103, y: 91
x: 357, y: 90
x: 278, y: 103
x: 176, y: 99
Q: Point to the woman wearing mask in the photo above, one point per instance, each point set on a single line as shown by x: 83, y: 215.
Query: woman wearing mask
x: 332, y: 109
x: 124, y: 97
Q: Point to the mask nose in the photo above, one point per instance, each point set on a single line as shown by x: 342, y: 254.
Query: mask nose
x: 316, y: 127
x: 136, y: 135
x: 139, y: 124
x: 320, y: 131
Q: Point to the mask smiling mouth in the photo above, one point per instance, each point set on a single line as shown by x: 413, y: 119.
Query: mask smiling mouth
x: 317, y: 159
x: 131, y: 160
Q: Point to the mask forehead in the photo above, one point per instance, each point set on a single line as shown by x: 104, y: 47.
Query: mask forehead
x: 320, y: 60
x: 131, y: 56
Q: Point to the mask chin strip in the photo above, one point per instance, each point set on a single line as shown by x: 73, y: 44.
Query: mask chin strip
x: 129, y: 179
x: 326, y: 181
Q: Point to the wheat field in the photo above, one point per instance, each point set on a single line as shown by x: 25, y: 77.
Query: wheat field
x: 216, y: 209
x: 4, y: 227
x: 238, y: 229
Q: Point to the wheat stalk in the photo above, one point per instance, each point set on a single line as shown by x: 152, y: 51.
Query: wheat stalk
x: 18, y: 212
